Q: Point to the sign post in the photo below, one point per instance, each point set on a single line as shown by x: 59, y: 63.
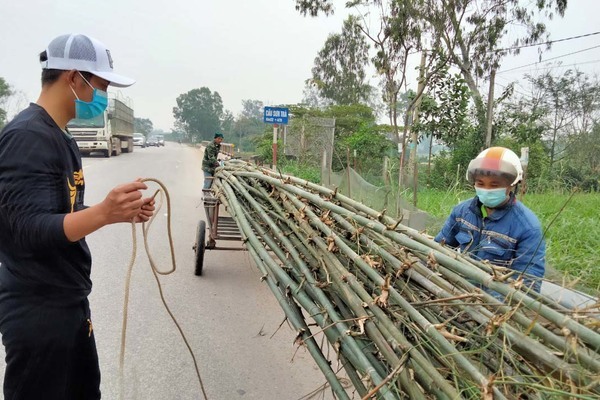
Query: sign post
x: 275, y: 116
x: 275, y: 126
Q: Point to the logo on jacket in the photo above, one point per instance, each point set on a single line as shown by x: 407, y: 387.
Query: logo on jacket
x: 77, y: 181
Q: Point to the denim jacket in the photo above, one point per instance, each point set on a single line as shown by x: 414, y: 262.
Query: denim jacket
x: 510, y: 237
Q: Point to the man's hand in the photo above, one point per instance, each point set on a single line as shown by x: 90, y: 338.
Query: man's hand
x: 124, y: 203
x: 146, y: 212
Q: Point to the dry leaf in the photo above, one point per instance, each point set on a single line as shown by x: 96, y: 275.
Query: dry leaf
x: 382, y: 299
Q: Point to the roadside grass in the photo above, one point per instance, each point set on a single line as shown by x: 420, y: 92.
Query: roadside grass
x: 572, y: 240
x: 311, y: 174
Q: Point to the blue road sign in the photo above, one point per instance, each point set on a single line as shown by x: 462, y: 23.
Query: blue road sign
x: 276, y: 115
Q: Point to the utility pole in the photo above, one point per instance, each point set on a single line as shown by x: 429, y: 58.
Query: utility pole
x: 490, y: 110
x: 413, y: 133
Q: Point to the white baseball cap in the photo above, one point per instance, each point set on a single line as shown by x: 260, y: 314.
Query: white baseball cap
x: 83, y: 53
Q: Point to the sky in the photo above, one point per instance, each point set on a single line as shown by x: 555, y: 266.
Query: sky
x: 243, y: 49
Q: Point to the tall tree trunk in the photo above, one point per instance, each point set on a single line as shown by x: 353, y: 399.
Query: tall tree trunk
x: 415, y: 139
x: 490, y: 111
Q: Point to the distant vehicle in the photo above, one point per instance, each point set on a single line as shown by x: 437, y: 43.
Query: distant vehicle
x: 152, y: 141
x: 160, y: 139
x: 139, y: 140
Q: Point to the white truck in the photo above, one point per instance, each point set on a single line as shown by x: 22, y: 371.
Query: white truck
x: 110, y: 133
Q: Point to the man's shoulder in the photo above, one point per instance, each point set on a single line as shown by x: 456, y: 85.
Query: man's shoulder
x: 525, y: 216
x: 465, y: 206
x: 32, y: 120
x: 213, y: 146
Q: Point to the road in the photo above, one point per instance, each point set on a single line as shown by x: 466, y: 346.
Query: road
x: 228, y: 315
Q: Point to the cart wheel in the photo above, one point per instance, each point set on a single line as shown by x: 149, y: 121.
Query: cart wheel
x: 199, y: 247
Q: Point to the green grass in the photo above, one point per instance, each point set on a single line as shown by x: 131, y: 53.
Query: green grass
x: 311, y: 174
x: 572, y: 240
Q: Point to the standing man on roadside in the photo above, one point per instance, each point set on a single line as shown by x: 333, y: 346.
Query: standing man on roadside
x: 210, y: 161
x: 45, y: 262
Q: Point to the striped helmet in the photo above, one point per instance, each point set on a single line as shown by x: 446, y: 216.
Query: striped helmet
x: 497, y: 161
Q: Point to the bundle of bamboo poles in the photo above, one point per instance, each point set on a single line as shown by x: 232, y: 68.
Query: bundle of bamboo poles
x: 407, y: 317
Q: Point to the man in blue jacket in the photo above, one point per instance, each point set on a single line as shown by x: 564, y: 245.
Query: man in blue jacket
x: 494, y: 226
x: 45, y: 262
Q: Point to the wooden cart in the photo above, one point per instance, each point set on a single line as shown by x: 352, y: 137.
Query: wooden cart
x: 219, y: 228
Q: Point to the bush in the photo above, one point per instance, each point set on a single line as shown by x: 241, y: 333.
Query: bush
x: 300, y: 170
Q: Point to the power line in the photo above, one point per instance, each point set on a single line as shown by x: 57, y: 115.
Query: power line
x: 550, y: 59
x: 567, y: 65
x: 548, y: 42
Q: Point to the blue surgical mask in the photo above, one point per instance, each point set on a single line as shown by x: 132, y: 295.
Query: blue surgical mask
x: 91, y: 109
x: 491, y: 197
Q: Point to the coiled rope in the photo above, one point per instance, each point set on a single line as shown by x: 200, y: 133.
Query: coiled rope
x: 155, y: 271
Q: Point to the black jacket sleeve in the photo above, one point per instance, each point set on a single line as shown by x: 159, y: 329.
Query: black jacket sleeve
x: 33, y: 187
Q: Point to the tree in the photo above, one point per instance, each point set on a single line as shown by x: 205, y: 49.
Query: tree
x: 339, y: 70
x: 370, y: 144
x: 311, y: 96
x: 472, y: 32
x: 252, y: 109
x: 400, y: 30
x: 556, y: 120
x: 313, y: 7
x: 570, y: 103
x: 199, y: 113
x: 143, y: 125
x: 249, y: 124
x: 227, y: 123
x: 5, y: 93
x: 444, y: 112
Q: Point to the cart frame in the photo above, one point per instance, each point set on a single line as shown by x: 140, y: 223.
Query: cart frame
x: 219, y: 228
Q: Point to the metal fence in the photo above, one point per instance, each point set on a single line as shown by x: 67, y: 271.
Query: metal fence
x: 310, y: 141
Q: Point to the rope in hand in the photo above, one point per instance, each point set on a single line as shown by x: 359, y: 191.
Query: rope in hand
x: 155, y: 271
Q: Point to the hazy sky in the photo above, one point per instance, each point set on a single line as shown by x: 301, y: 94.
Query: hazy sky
x: 243, y: 49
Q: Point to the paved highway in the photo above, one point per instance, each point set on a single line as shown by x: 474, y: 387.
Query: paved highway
x: 227, y: 314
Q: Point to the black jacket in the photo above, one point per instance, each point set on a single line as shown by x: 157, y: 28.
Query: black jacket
x: 41, y: 180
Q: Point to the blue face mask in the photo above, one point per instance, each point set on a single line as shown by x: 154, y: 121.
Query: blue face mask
x: 491, y: 197
x: 91, y: 109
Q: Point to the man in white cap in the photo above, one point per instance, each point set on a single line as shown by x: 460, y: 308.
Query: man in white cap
x: 45, y: 262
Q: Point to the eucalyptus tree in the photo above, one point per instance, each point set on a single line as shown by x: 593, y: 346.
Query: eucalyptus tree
x: 143, y: 125
x: 474, y: 34
x: 199, y: 113
x: 339, y: 70
x: 571, y: 105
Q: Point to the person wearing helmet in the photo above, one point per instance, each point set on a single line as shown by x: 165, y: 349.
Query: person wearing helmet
x: 494, y: 226
x: 45, y: 262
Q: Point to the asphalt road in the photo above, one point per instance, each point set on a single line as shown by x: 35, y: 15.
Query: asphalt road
x: 228, y: 315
